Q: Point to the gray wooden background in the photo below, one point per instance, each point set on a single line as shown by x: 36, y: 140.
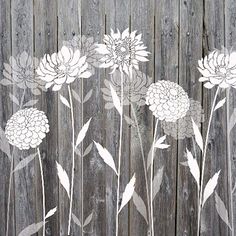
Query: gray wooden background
x: 177, y: 33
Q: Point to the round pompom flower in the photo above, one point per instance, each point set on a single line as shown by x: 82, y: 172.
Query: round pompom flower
x: 122, y: 51
x: 218, y: 68
x: 167, y: 100
x: 62, y: 67
x: 183, y: 127
x: 27, y: 128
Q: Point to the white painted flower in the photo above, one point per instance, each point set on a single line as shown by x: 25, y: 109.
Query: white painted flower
x: 218, y: 68
x: 135, y: 88
x: 167, y: 100
x: 62, y: 67
x: 20, y: 71
x: 27, y: 128
x: 122, y: 51
x: 183, y: 127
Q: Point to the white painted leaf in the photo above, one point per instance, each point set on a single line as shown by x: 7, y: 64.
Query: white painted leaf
x: 149, y: 158
x: 76, y: 96
x: 128, y: 193
x: 64, y: 179
x: 129, y: 120
x: 51, y: 212
x: 14, y: 99
x: 156, y: 183
x: 232, y: 120
x: 30, y: 103
x: 106, y: 156
x: 31, y: 229
x: 88, y: 219
x: 116, y: 100
x: 25, y: 162
x: 64, y: 101
x: 88, y: 96
x: 210, y: 187
x: 162, y: 146
x: 140, y: 205
x: 197, y: 134
x: 220, y: 104
x: 160, y: 140
x: 76, y: 220
x: 82, y: 133
x: 193, y: 166
x: 4, y: 144
x: 221, y: 210
x: 184, y: 163
x: 88, y: 149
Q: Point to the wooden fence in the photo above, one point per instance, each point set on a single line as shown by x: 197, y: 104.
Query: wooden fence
x: 177, y: 33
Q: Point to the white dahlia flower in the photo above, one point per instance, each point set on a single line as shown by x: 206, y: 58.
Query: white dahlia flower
x: 167, y: 100
x: 183, y: 127
x: 27, y: 128
x: 218, y: 68
x: 122, y: 51
x: 62, y: 67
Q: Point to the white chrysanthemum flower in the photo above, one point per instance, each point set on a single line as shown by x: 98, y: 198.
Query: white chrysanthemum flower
x: 62, y: 67
x: 218, y: 68
x: 20, y: 71
x: 122, y: 50
x: 167, y: 100
x: 183, y: 127
x: 134, y: 88
x: 27, y: 128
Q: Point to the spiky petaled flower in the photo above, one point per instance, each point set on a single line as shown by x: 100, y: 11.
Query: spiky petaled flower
x: 218, y: 68
x: 20, y: 71
x: 183, y: 127
x: 62, y: 67
x: 167, y: 100
x: 122, y: 51
x: 27, y: 128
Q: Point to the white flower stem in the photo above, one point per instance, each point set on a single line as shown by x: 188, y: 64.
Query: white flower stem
x: 203, y: 164
x: 144, y: 163
x: 151, y: 177
x: 119, y: 155
x: 11, y: 173
x: 43, y: 190
x: 73, y: 160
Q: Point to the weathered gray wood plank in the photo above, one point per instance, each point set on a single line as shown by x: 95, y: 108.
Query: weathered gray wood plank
x: 69, y: 25
x: 166, y: 68
x: 45, y: 41
x: 190, y: 51
x: 217, y: 148
x: 142, y: 20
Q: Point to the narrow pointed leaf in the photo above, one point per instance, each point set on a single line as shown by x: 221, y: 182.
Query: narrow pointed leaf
x: 193, y: 166
x: 64, y: 101
x: 116, y: 100
x: 88, y: 219
x: 64, y: 179
x: 198, y: 136
x: 128, y: 193
x: 220, y: 104
x: 76, y: 96
x: 210, y: 187
x: 82, y: 133
x: 160, y: 140
x: 140, y: 206
x: 14, y: 99
x: 31, y: 229
x: 232, y: 120
x: 88, y: 96
x: 157, y: 180
x: 76, y: 220
x: 30, y: 103
x: 88, y: 149
x: 106, y: 156
x: 51, y: 212
x: 25, y: 162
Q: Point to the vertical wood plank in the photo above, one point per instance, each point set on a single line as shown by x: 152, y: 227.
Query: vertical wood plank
x: 69, y: 24
x: 217, y: 148
x: 166, y: 68
x: 6, y: 112
x: 190, y: 51
x: 117, y: 17
x: 94, y: 175
x: 230, y: 33
x: 22, y: 40
x: 45, y: 41
x: 142, y: 20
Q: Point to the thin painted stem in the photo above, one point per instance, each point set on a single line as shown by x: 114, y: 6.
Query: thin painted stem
x: 144, y: 163
x: 43, y: 190
x: 73, y: 159
x: 119, y: 155
x: 11, y: 173
x: 204, y: 162
x: 151, y: 177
